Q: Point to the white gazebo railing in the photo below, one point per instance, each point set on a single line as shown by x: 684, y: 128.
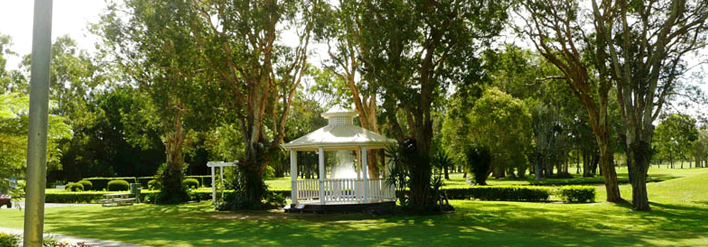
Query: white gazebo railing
x: 344, y: 190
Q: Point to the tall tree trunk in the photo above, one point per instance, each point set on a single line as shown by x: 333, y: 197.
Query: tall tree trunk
x: 607, y: 166
x: 637, y: 162
x: 172, y: 176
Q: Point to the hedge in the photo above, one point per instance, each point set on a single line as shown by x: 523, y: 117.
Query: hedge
x: 118, y: 185
x: 501, y: 193
x: 191, y: 183
x: 101, y: 183
x: 489, y: 193
x: 576, y: 193
x: 75, y: 187
x: 87, y: 184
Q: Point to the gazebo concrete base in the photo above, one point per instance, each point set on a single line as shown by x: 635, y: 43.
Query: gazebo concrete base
x: 383, y: 207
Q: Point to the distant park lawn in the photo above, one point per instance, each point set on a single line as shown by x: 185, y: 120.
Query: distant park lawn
x: 679, y: 219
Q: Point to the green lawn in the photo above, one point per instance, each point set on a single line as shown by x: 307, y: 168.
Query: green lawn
x: 679, y: 219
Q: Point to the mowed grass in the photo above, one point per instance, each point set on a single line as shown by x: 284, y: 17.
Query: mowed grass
x: 680, y: 218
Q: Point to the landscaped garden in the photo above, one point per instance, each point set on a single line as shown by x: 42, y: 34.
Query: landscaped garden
x: 680, y: 211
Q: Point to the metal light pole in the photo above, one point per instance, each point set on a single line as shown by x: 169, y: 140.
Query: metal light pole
x: 38, y: 120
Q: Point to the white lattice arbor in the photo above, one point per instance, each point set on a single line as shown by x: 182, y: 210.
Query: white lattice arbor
x: 339, y: 134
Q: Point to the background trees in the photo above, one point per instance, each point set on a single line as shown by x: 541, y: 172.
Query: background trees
x: 503, y: 125
x: 675, y: 136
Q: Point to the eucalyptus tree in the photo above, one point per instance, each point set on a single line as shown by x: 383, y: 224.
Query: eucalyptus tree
x: 556, y: 29
x: 151, y: 43
x: 417, y: 49
x: 643, y: 47
x: 241, y: 43
x: 343, y: 36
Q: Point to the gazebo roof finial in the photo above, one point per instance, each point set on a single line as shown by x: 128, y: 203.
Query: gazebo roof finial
x: 339, y: 112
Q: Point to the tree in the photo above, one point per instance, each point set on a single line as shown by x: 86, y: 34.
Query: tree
x: 417, y: 49
x: 556, y: 31
x: 154, y: 48
x: 238, y: 41
x: 700, y: 148
x: 642, y: 47
x: 674, y: 137
x: 346, y: 55
x: 502, y: 124
x: 14, y: 110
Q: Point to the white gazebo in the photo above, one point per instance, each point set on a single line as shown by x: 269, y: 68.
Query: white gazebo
x: 339, y: 134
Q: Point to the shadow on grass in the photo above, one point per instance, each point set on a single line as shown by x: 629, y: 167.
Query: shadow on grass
x: 475, y: 223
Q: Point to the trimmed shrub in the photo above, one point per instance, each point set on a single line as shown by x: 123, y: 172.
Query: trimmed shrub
x: 191, y: 183
x: 501, y: 193
x: 87, y: 184
x: 118, y: 185
x: 74, y: 187
x: 9, y: 240
x: 101, y: 183
x: 154, y: 185
x: 576, y: 193
x: 73, y: 197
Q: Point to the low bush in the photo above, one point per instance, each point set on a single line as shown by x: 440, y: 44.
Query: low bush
x: 501, y: 193
x: 191, y: 183
x: 74, y: 187
x: 87, y: 184
x: 576, y: 193
x: 154, y: 184
x: 118, y: 185
x: 101, y: 183
x: 9, y: 240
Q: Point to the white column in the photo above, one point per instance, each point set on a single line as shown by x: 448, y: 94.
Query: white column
x: 293, y: 176
x: 221, y: 170
x: 365, y: 172
x: 322, y: 176
x: 213, y: 185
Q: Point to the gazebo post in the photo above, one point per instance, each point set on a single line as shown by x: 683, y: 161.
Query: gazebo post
x: 293, y: 176
x: 365, y: 173
x: 322, y: 176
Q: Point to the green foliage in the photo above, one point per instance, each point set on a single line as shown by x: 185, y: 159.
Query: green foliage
x: 576, y: 193
x: 191, y: 183
x: 10, y: 240
x: 275, y: 199
x: 479, y: 162
x: 502, y: 123
x: 14, y: 123
x: 112, y: 137
x: 87, y: 184
x: 74, y: 187
x: 674, y: 136
x: 501, y: 193
x: 117, y: 185
x: 154, y: 184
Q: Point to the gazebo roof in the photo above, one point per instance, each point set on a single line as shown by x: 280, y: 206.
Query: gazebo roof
x: 340, y: 133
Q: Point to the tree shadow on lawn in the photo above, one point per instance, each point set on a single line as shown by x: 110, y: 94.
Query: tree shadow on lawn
x: 488, y: 223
